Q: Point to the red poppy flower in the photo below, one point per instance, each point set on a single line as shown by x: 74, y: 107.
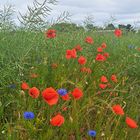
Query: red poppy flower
x: 104, y: 79
x: 71, y: 54
x: 51, y: 33
x: 102, y: 86
x: 64, y: 108
x: 109, y: 85
x: 89, y: 40
x: 34, y: 92
x: 50, y: 96
x: 86, y: 70
x: 131, y: 123
x: 24, y: 86
x: 106, y: 55
x: 58, y: 120
x: 78, y: 48
x: 68, y: 54
x: 54, y: 65
x: 118, y: 33
x: 138, y: 49
x: 66, y: 97
x: 99, y: 49
x: 99, y: 92
x: 114, y: 78
x: 82, y: 60
x: 118, y: 110
x: 103, y: 45
x: 77, y: 93
x: 100, y: 57
x: 33, y: 75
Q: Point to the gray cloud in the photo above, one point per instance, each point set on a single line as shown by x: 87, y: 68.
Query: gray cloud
x: 125, y: 11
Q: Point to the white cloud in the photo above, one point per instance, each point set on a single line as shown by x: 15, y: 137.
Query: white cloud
x: 125, y: 11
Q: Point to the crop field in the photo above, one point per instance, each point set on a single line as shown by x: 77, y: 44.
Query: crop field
x: 69, y: 85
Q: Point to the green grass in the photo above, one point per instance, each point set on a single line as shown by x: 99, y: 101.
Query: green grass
x: 23, y: 53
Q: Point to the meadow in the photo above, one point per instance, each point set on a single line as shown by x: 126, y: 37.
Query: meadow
x: 33, y: 59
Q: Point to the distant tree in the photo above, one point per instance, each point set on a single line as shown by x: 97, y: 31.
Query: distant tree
x: 127, y: 27
x: 66, y: 27
x: 6, y: 18
x: 110, y: 23
x: 110, y: 27
x: 89, y: 22
x: 121, y: 26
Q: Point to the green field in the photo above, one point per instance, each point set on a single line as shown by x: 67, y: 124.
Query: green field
x: 25, y: 53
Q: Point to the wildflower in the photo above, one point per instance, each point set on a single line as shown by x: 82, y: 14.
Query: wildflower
x: 89, y: 40
x: 131, y: 46
x: 114, y: 78
x: 50, y: 96
x: 118, y: 110
x: 131, y: 123
x: 24, y: 86
x: 12, y: 86
x: 104, y: 79
x: 58, y: 120
x: 100, y: 57
x: 68, y: 54
x: 102, y: 86
x: 103, y: 45
x: 109, y: 85
x: 64, y: 108
x: 77, y: 93
x: 106, y: 55
x: 62, y: 92
x: 138, y: 49
x: 33, y: 75
x: 71, y: 54
x: 66, y: 97
x: 54, y: 65
x: 28, y: 115
x: 92, y: 133
x: 82, y: 60
x: 99, y: 49
x: 22, y: 93
x: 102, y: 134
x: 34, y: 92
x: 51, y: 33
x: 86, y: 70
x: 78, y: 48
x: 118, y: 33
x: 99, y: 92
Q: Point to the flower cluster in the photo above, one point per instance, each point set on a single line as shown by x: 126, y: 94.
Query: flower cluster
x: 117, y: 109
x: 102, y: 55
x: 52, y: 96
x: 105, y: 82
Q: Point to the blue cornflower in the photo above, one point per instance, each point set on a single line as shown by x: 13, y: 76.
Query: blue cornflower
x: 92, y: 133
x: 131, y: 46
x: 28, y: 115
x: 12, y: 86
x: 62, y: 91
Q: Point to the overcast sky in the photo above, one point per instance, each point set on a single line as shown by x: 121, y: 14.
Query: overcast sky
x: 125, y: 11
